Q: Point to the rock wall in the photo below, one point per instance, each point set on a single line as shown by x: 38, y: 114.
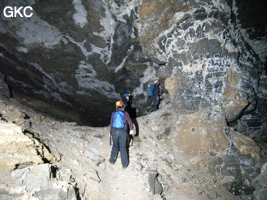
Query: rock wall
x: 67, y: 59
x: 172, y: 157
x: 72, y: 59
x: 210, y: 59
x: 26, y: 164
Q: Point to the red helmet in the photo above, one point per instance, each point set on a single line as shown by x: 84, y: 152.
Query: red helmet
x: 119, y: 103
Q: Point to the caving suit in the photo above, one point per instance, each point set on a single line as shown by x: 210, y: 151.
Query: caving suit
x: 119, y: 138
x: 155, y: 96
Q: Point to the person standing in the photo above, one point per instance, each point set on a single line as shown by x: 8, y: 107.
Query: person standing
x: 125, y: 99
x: 118, y: 125
x: 155, y: 95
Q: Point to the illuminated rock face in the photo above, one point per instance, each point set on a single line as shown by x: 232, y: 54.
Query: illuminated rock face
x: 73, y: 59
x: 47, y: 158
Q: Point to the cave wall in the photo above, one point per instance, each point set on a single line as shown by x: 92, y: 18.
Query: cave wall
x: 73, y: 59
x: 211, y: 57
x: 215, y: 74
x: 68, y: 59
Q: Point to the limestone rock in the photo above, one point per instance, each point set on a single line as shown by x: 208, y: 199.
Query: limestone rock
x: 72, y: 59
x: 17, y: 150
x: 36, y: 182
x: 73, y: 64
x: 191, y: 131
x: 260, y: 184
x: 235, y: 100
x: 4, y: 90
x: 155, y: 186
x: 246, y: 146
x: 159, y: 168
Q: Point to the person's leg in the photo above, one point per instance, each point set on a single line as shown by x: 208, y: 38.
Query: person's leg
x: 155, y: 102
x: 115, y: 146
x: 123, y: 149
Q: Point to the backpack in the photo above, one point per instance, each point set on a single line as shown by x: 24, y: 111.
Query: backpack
x: 118, y: 120
x: 150, y: 90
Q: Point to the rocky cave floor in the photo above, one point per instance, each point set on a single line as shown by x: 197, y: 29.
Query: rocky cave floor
x: 74, y: 162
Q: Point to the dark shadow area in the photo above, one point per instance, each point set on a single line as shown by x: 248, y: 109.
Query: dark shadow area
x: 131, y: 109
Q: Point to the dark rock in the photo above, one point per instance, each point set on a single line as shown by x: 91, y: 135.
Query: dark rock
x: 155, y: 186
x: 205, y: 48
x: 200, y: 14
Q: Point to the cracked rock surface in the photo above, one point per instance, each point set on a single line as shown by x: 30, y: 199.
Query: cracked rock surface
x: 74, y: 163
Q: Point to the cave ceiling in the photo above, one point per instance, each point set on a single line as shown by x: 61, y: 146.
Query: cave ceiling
x: 74, y: 59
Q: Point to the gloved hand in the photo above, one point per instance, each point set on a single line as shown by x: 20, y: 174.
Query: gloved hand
x: 132, y: 132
